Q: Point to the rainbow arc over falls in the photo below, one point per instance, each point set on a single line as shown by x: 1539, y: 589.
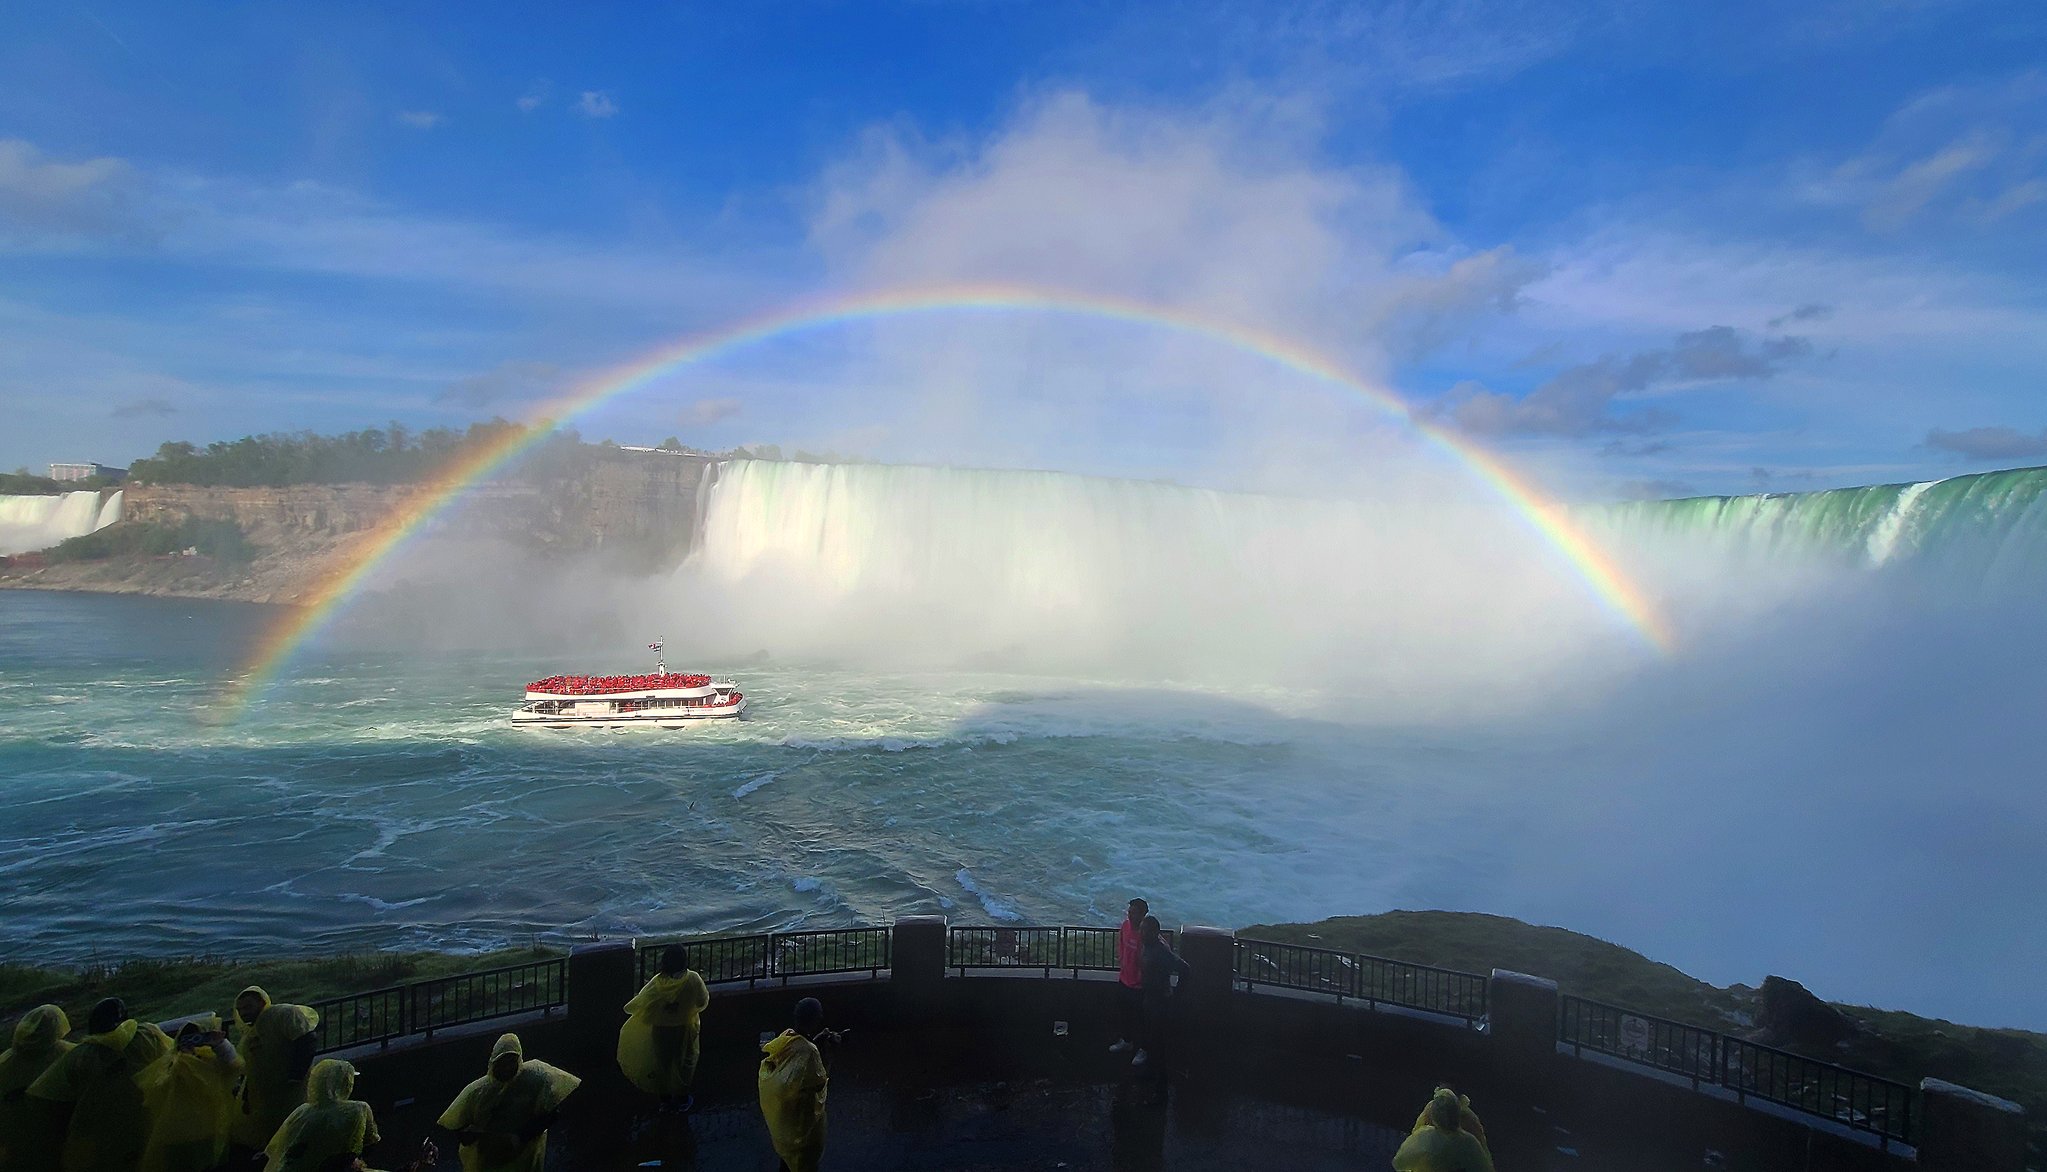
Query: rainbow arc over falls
x: 330, y: 596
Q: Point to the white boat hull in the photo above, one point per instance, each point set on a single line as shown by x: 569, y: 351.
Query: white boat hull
x: 671, y: 718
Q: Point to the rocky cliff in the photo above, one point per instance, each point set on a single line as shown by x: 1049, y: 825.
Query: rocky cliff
x: 634, y: 511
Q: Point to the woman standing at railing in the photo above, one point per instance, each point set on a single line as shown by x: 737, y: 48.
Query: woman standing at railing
x: 659, y: 1043
x: 278, y: 1043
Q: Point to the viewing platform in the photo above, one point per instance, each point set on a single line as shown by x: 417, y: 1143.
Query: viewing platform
x: 987, y: 1048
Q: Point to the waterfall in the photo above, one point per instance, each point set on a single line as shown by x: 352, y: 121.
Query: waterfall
x: 39, y: 522
x: 1055, y: 569
x: 1021, y: 566
x: 1989, y: 527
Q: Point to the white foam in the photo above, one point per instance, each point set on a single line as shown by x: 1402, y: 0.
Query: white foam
x: 995, y: 908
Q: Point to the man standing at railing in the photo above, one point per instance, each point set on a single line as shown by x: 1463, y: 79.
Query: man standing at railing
x: 1130, y: 975
x: 1162, y: 966
x: 658, y: 1045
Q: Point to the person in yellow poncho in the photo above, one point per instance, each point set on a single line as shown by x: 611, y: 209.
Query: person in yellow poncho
x: 1440, y: 1141
x: 501, y: 1119
x: 327, y: 1125
x: 29, y: 1136
x: 190, y: 1093
x: 277, y: 1044
x: 105, y: 1121
x: 658, y: 1045
x: 793, y: 1080
x: 1467, y: 1119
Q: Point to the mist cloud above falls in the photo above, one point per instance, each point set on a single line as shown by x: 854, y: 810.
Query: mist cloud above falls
x: 1229, y: 210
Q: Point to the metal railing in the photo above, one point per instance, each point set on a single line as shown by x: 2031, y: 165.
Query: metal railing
x: 380, y: 1015
x: 778, y: 955
x: 1071, y: 950
x: 834, y: 950
x: 1375, y: 980
x: 718, y: 959
x: 361, y: 1019
x: 1852, y: 1099
x: 1666, y: 1045
x: 1862, y: 1102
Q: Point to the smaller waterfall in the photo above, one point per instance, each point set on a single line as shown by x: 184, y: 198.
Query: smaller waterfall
x: 38, y: 522
x: 1990, y: 525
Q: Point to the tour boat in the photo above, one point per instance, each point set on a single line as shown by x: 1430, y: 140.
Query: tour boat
x: 661, y: 699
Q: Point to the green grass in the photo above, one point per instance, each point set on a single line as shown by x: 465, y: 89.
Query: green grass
x: 157, y: 990
x: 1901, y: 1046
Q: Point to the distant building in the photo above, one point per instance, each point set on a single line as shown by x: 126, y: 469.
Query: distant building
x: 85, y: 472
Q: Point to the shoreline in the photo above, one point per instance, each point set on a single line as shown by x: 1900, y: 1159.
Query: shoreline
x: 119, y: 590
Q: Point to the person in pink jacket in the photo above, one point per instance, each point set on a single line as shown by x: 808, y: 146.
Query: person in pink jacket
x: 1130, y: 975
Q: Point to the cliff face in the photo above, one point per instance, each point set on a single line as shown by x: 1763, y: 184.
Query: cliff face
x: 634, y: 511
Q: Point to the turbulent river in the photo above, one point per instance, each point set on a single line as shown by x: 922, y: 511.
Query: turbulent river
x: 1839, y: 782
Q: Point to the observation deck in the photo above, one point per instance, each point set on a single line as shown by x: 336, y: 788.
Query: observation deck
x: 987, y: 1048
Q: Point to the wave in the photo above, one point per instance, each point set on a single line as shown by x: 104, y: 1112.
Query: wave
x: 996, y: 909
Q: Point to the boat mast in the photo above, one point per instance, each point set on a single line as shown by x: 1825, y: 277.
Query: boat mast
x: 660, y: 660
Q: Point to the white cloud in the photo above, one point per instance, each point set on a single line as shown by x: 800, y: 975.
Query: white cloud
x: 1964, y: 154
x: 596, y: 104
x: 535, y: 97
x: 1227, y: 210
x: 38, y: 194
x: 420, y: 119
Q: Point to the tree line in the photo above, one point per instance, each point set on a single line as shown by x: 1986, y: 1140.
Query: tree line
x: 387, y: 455
x: 374, y: 455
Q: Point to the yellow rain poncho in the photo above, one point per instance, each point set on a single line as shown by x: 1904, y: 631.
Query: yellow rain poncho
x: 1435, y: 1147
x: 29, y: 1140
x: 96, y: 1079
x: 659, y: 1044
x: 190, y: 1096
x: 1467, y: 1119
x: 326, y: 1125
x: 270, y: 1050
x: 792, y: 1087
x: 502, y: 1112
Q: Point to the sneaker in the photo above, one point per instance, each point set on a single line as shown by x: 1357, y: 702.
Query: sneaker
x: 1141, y: 1059
x: 1121, y: 1047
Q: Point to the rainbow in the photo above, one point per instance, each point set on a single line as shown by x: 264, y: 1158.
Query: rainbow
x: 330, y: 596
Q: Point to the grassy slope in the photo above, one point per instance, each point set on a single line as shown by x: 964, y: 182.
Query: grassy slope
x: 1901, y: 1046
x: 161, y: 989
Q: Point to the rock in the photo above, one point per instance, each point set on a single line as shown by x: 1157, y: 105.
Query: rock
x: 1792, y: 1017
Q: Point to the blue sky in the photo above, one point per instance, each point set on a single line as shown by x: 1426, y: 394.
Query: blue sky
x: 1641, y: 249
